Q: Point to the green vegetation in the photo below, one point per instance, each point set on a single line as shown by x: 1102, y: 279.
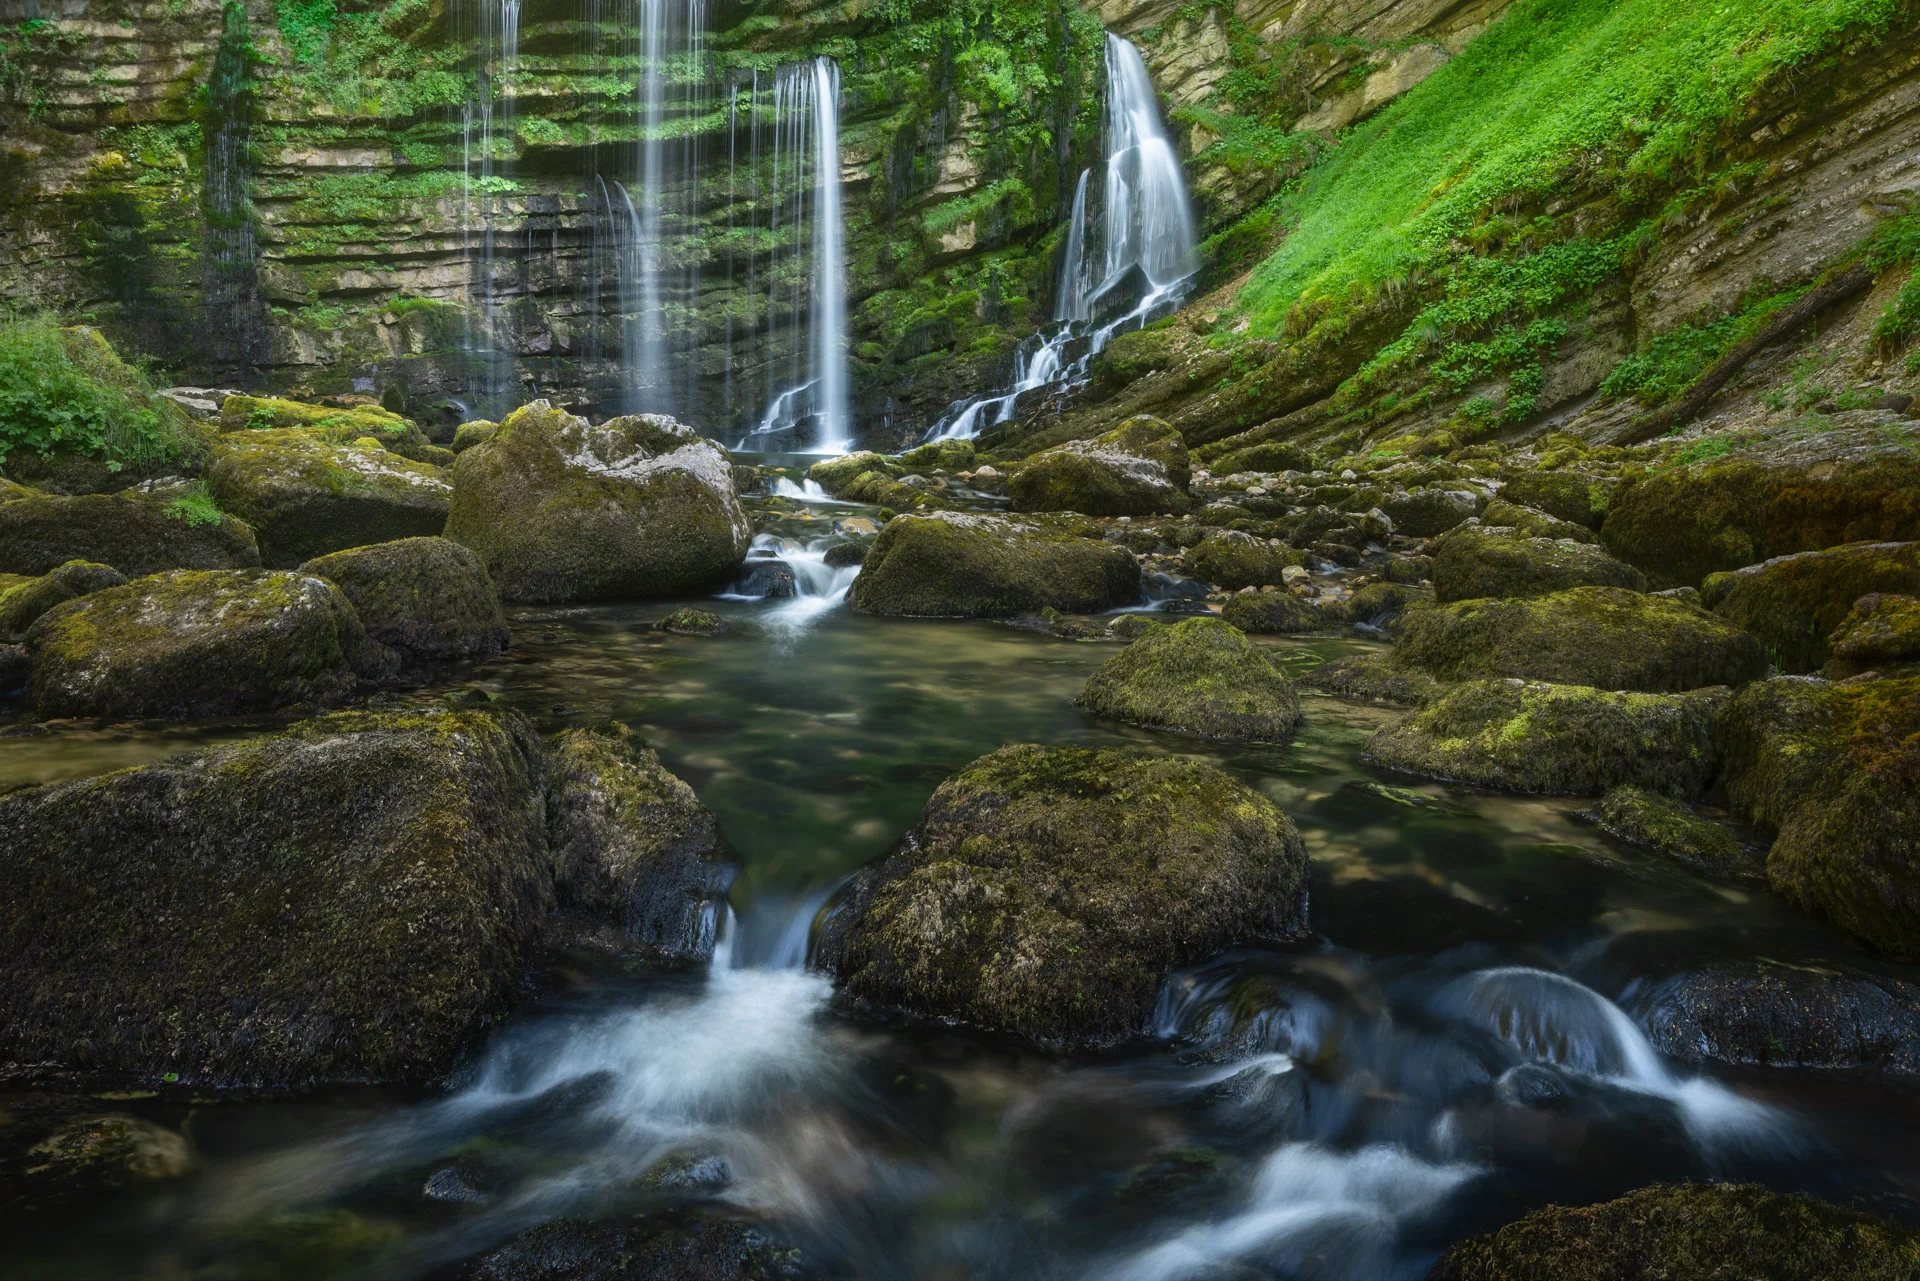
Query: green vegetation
x: 1674, y: 361
x: 66, y: 390
x: 195, y: 505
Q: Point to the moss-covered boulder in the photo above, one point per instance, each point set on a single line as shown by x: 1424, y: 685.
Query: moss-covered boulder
x: 682, y: 1246
x: 467, y: 435
x: 1676, y: 830
x: 1272, y: 456
x: 1605, y: 637
x: 1137, y: 469
x: 1201, y: 677
x: 632, y: 846
x: 1565, y: 740
x: 637, y: 507
x: 1231, y: 559
x: 429, y: 598
x: 1372, y: 678
x: 835, y: 475
x: 56, y: 1150
x: 1272, y: 613
x: 1686, y: 1231
x: 1834, y: 769
x: 687, y: 621
x: 136, y: 534
x: 1422, y: 513
x: 976, y: 565
x: 195, y: 643
x: 1487, y: 561
x: 348, y: 901
x: 1766, y: 494
x: 1794, y: 603
x: 305, y: 497
x: 1379, y: 606
x: 1531, y: 522
x: 1880, y: 630
x: 24, y: 602
x: 1569, y: 496
x: 270, y: 413
x: 1047, y: 892
x: 947, y: 455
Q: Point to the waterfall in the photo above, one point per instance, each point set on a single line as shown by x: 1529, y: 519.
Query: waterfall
x: 496, y: 39
x: 1145, y: 222
x: 234, y: 314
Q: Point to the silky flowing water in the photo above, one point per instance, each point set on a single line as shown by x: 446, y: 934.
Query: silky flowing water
x: 1454, y: 1048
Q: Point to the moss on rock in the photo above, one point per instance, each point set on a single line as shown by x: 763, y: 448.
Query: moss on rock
x: 1486, y: 561
x: 1678, y: 1232
x: 305, y: 497
x: 836, y: 475
x: 1880, y: 630
x: 135, y: 534
x: 1201, y: 677
x: 637, y: 507
x: 1273, y: 456
x: 688, y: 621
x: 1531, y: 522
x: 350, y: 900
x: 429, y: 598
x: 1605, y: 637
x: 1139, y: 468
x: 1422, y: 513
x: 1372, y: 678
x: 467, y: 435
x: 195, y: 643
x: 975, y: 565
x: 1569, y: 496
x: 55, y: 1150
x: 24, y: 602
x: 1230, y: 559
x: 1794, y: 603
x: 1382, y: 606
x: 1047, y: 892
x: 1675, y: 830
x: 1565, y: 740
x: 1272, y: 613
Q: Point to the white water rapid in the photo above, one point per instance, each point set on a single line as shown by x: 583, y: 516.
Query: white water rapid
x: 794, y: 575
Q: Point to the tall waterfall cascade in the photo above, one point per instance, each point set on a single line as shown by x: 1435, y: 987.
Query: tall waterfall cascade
x: 1145, y: 244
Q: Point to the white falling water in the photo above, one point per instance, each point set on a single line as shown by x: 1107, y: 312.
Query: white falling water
x: 1145, y: 222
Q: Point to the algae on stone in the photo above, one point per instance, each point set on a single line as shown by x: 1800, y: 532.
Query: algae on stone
x: 1201, y: 677
x: 976, y: 565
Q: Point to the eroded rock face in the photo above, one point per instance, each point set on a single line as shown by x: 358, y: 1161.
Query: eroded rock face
x: 559, y: 510
x: 1138, y: 469
x: 1047, y: 892
x: 1475, y: 562
x: 306, y: 496
x: 1794, y: 603
x: 195, y: 643
x: 429, y: 598
x: 1200, y: 677
x: 135, y: 534
x: 24, y: 602
x: 975, y: 565
x: 347, y: 901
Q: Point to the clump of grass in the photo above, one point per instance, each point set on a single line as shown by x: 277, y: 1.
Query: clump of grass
x: 196, y: 506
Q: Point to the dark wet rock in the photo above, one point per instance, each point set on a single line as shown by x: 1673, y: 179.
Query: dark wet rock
x: 640, y: 506
x: 1342, y: 554
x: 632, y: 845
x: 687, y: 621
x: 135, y: 534
x: 1476, y: 561
x: 1138, y: 469
x: 1047, y: 892
x: 682, y: 1247
x: 1879, y: 631
x: 976, y: 565
x: 196, y: 643
x: 14, y: 665
x: 1606, y: 637
x: 836, y: 475
x: 1680, y: 1231
x: 1569, y: 496
x: 1530, y: 522
x: 1372, y: 678
x: 1272, y: 613
x: 1231, y: 559
x: 1201, y: 677
x: 1676, y: 830
x: 1561, y: 739
x: 347, y: 901
x: 305, y: 495
x: 1834, y: 769
x: 769, y: 578
x: 24, y: 602
x: 1422, y: 513
x: 688, y: 1173
x: 1793, y: 603
x: 844, y: 555
x: 56, y: 1150
x: 1381, y: 606
x: 429, y: 598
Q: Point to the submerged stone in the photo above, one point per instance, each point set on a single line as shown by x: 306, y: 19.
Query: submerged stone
x: 1479, y: 561
x: 135, y: 534
x: 1200, y: 677
x: 687, y: 621
x: 1047, y: 892
x: 429, y: 598
x: 1675, y: 830
x: 24, y: 602
x: 1138, y: 469
x: 976, y: 565
x: 1372, y: 678
x: 1794, y: 603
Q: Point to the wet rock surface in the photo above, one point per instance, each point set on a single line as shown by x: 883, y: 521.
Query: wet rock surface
x: 975, y: 565
x: 1201, y: 677
x: 685, y: 1247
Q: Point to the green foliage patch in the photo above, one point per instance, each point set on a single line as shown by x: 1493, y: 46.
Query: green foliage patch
x: 65, y: 390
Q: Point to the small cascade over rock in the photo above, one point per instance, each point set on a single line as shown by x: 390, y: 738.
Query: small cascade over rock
x: 794, y: 573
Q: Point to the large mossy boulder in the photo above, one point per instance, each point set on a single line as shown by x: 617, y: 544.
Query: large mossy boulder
x: 632, y: 847
x: 638, y: 507
x: 1766, y: 494
x: 1674, y: 830
x: 348, y: 901
x: 1565, y: 740
x: 1231, y: 559
x: 305, y: 496
x: 1881, y: 630
x: 1139, y: 468
x: 24, y: 602
x: 1422, y: 513
x: 1531, y: 522
x: 1794, y: 603
x: 1834, y: 769
x: 1273, y: 613
x: 1201, y: 677
x: 1481, y: 561
x: 1047, y: 892
x: 836, y: 475
x: 134, y: 533
x: 976, y: 565
x: 195, y: 643
x: 1680, y: 1232
x: 1606, y: 637
x: 1569, y: 496
x: 429, y: 598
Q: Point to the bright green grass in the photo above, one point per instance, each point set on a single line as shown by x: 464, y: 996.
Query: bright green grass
x: 1629, y: 94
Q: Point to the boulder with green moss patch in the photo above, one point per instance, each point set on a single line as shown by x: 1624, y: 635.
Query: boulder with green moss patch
x: 196, y: 643
x: 1679, y: 1232
x: 638, y: 507
x: 1606, y: 637
x: 835, y: 475
x: 428, y: 598
x: 1231, y: 559
x: 1422, y: 513
x: 1674, y: 829
x: 976, y: 565
x: 1272, y: 613
x: 948, y: 455
x: 1139, y: 468
x: 1372, y: 678
x: 1201, y: 677
x: 1272, y: 456
x: 55, y: 1150
x: 305, y: 497
x: 1834, y: 769
x: 1488, y: 561
x: 136, y: 534
x: 633, y: 847
x: 1794, y: 603
x: 1881, y: 630
x: 349, y: 901
x: 1569, y: 496
x: 1381, y: 606
x: 467, y: 435
x: 24, y: 602
x: 1565, y: 740
x: 1047, y: 893
x: 1531, y: 522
